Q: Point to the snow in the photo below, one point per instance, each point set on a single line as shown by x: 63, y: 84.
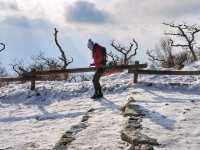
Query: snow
x: 193, y: 66
x: 37, y: 120
x: 104, y: 128
x: 172, y: 117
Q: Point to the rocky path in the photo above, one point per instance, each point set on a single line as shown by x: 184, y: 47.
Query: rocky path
x: 103, y: 128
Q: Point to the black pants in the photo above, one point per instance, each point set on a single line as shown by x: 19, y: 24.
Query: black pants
x: 97, y: 87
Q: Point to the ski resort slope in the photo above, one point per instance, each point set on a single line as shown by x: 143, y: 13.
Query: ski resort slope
x: 36, y: 120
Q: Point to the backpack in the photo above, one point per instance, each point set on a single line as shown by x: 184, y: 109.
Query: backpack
x: 104, y: 55
x: 103, y: 50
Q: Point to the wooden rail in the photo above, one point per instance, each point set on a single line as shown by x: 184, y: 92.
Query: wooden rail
x: 10, y: 79
x: 79, y: 70
x: 161, y: 72
x: 165, y: 72
x: 14, y: 79
x: 37, y: 75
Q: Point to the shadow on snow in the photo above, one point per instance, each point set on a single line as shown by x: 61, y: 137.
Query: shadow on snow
x: 159, y: 118
x: 45, y: 116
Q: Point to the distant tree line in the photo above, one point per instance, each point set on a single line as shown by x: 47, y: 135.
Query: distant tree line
x: 178, y: 36
x: 41, y: 62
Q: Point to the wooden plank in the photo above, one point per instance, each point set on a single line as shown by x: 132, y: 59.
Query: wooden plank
x: 10, y: 79
x: 165, y: 72
x: 14, y: 79
x: 79, y: 70
x: 31, y: 75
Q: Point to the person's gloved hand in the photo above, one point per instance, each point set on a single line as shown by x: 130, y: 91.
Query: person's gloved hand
x: 92, y: 65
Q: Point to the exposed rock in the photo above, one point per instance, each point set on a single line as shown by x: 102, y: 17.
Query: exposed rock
x: 142, y: 147
x: 85, y: 118
x: 133, y: 110
x: 144, y: 139
x: 123, y: 108
x: 133, y: 123
x: 148, y: 84
x: 136, y: 138
x: 131, y: 131
x: 133, y: 126
x: 69, y: 136
x: 29, y: 145
x: 134, y: 93
x: 135, y: 118
x: 66, y: 139
x: 129, y: 135
x: 131, y: 100
x: 91, y: 110
x: 79, y: 127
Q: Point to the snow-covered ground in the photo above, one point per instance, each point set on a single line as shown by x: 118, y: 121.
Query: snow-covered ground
x: 172, y: 116
x: 37, y: 120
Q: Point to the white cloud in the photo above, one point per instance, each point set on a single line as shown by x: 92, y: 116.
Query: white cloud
x: 127, y: 18
x: 8, y: 5
x: 84, y: 12
x: 122, y: 13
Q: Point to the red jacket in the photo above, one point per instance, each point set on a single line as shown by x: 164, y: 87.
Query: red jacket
x: 98, y: 56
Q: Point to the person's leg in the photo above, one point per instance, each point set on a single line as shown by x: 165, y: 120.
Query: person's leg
x: 95, y: 83
x: 97, y: 86
x: 101, y: 71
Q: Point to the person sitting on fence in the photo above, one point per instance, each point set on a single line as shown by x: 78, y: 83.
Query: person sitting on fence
x: 99, y: 57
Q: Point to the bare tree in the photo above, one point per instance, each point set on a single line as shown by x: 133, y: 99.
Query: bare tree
x: 38, y: 62
x: 180, y: 59
x: 163, y: 56
x: 154, y: 57
x: 185, y: 32
x: 19, y: 67
x: 114, y: 58
x: 41, y: 62
x: 63, y: 57
x: 127, y: 52
x: 3, y: 71
x: 3, y: 46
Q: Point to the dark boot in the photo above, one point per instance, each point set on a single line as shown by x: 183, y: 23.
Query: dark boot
x: 97, y: 95
x: 94, y: 96
x: 100, y: 94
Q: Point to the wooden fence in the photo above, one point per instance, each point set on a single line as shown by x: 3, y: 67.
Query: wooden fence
x: 160, y: 72
x: 34, y: 76
x: 79, y: 70
x: 135, y: 69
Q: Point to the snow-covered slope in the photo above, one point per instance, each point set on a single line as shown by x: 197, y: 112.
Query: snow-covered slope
x: 37, y: 119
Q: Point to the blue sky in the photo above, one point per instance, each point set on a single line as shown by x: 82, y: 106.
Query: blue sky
x: 26, y: 26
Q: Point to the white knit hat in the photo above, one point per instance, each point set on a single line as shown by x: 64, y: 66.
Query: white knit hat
x: 90, y: 44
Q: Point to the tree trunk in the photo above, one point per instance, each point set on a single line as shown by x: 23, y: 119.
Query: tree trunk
x: 193, y: 53
x: 125, y: 60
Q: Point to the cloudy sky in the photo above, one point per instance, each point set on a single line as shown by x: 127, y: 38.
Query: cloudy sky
x: 26, y: 26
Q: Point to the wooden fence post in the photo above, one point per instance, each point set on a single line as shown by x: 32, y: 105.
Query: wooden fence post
x: 135, y: 77
x: 33, y: 80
